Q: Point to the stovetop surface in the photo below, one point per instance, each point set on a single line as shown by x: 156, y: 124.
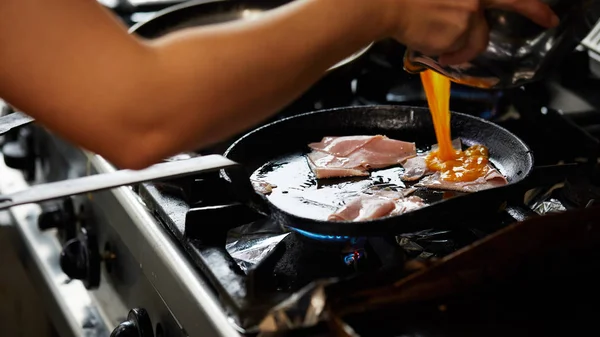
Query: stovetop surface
x: 253, y: 263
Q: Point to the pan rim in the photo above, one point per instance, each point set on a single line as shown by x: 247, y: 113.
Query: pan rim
x: 375, y: 107
x: 527, y: 152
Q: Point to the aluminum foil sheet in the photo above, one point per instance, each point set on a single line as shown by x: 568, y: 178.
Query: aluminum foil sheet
x: 249, y: 251
x: 248, y: 245
x: 549, y: 206
x: 306, y: 307
x: 303, y: 309
x: 427, y: 244
x: 546, y: 202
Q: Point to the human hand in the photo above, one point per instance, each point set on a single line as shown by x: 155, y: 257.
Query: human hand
x: 456, y: 30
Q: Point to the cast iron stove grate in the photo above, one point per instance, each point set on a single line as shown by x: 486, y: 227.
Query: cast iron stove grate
x: 294, y: 260
x: 253, y: 263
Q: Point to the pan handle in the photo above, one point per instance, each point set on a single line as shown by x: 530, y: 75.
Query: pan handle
x: 104, y: 181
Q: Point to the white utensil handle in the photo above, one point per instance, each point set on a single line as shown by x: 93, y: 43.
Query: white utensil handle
x: 60, y: 189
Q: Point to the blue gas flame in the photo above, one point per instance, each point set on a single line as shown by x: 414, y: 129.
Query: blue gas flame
x: 325, y: 237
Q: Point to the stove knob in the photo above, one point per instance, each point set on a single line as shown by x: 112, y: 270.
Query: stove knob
x: 19, y: 155
x: 80, y: 260
x: 61, y: 217
x: 138, y: 324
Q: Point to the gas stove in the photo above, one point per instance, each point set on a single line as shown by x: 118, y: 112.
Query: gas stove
x: 183, y: 258
x: 254, y: 263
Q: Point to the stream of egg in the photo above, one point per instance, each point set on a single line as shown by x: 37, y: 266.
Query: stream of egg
x: 453, y: 164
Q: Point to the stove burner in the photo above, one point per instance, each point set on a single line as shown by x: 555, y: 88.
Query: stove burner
x: 351, y: 249
x: 351, y: 259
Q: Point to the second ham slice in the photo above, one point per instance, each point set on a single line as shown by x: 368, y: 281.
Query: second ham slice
x: 378, y: 205
x: 351, y: 156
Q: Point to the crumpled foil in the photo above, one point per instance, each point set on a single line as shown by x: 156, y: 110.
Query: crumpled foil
x: 415, y: 243
x: 549, y: 206
x: 249, y: 244
x: 249, y: 251
x: 305, y: 308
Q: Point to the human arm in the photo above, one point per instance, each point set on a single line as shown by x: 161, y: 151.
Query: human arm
x: 73, y: 67
x: 78, y: 72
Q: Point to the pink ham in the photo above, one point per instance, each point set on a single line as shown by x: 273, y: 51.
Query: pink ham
x: 262, y: 186
x: 408, y: 204
x: 355, y: 155
x: 341, y: 146
x: 492, y: 179
x: 415, y: 168
x: 325, y: 165
x: 365, y: 207
x: 377, y: 205
x: 383, y: 152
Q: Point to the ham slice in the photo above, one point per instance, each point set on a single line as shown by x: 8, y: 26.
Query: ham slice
x: 325, y: 165
x: 415, y: 168
x: 492, y: 179
x: 408, y: 204
x: 351, y: 156
x: 262, y: 186
x: 341, y: 146
x: 365, y: 207
x: 377, y: 205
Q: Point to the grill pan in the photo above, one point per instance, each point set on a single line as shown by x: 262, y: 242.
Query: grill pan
x: 277, y: 151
